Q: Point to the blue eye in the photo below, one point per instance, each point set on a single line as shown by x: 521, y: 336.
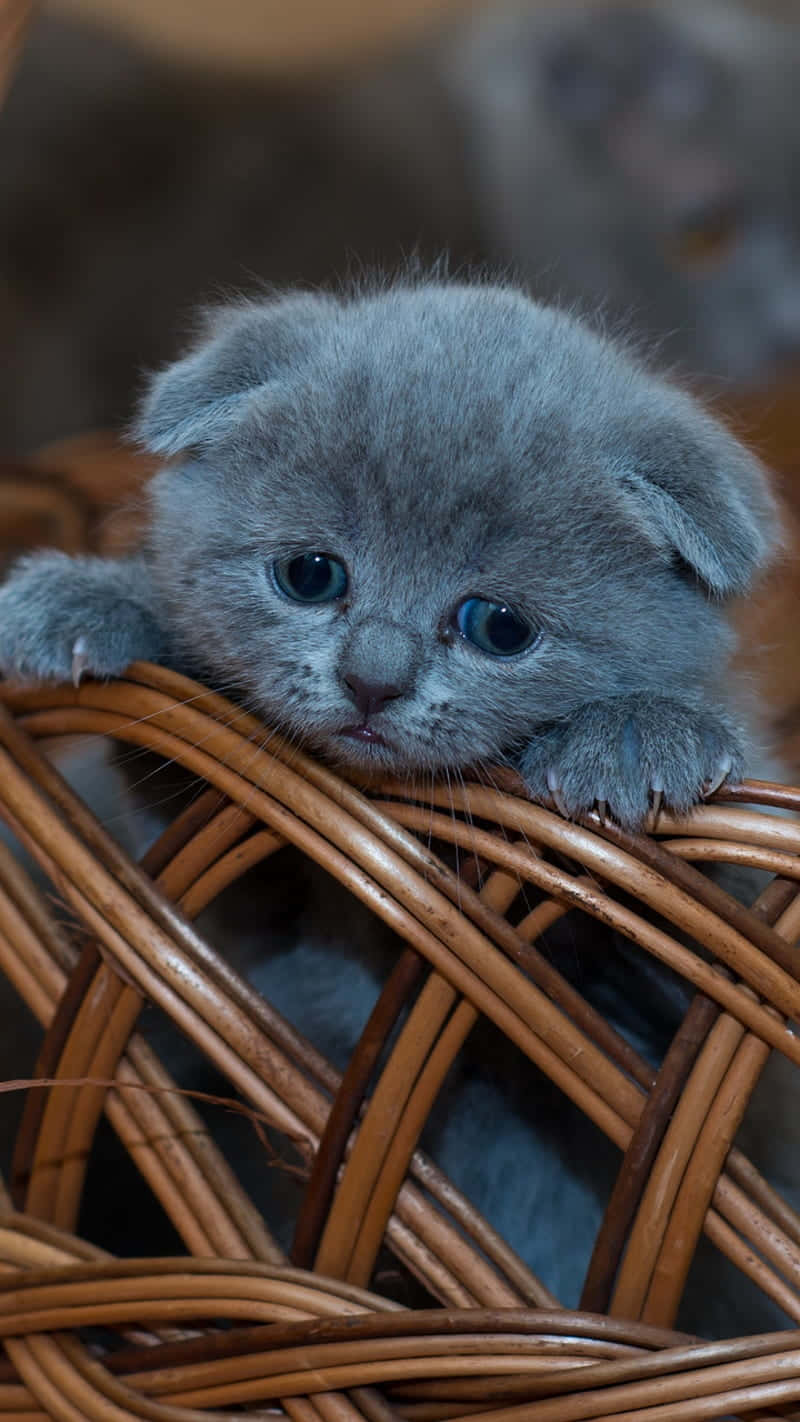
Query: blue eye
x: 494, y: 627
x: 311, y: 577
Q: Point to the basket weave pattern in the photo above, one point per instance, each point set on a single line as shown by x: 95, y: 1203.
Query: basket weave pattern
x: 311, y: 1340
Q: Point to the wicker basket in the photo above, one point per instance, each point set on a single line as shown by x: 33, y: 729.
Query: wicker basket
x: 314, y: 1343
x: 79, y: 494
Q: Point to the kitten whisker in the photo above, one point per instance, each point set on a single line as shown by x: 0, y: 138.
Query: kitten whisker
x: 486, y: 770
x: 432, y: 810
x: 471, y: 824
x: 456, y: 851
x: 260, y: 746
x: 170, y: 761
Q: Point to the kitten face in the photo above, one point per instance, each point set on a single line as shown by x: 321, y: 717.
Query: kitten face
x: 509, y: 518
x: 645, y: 159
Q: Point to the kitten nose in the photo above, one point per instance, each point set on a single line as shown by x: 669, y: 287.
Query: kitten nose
x: 371, y: 696
x: 378, y: 663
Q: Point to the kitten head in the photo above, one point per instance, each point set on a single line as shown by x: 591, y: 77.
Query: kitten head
x: 414, y: 524
x: 644, y: 158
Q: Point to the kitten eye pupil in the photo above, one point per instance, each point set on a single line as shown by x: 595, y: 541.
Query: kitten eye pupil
x: 311, y: 577
x: 494, y: 627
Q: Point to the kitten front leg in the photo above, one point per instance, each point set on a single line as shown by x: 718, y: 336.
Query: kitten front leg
x: 61, y: 617
x: 628, y: 753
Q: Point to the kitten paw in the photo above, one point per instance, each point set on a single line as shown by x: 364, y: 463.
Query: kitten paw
x: 627, y: 756
x: 62, y: 618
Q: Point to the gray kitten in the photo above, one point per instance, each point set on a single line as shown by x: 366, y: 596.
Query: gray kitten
x: 429, y: 527
x: 422, y: 527
x: 642, y: 162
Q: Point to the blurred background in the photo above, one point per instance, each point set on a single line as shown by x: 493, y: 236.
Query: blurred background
x: 257, y: 33
x: 638, y: 162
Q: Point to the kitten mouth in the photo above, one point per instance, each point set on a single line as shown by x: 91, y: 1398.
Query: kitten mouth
x: 364, y: 733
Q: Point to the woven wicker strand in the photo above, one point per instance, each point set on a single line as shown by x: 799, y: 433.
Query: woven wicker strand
x: 486, y: 1352
x: 78, y: 494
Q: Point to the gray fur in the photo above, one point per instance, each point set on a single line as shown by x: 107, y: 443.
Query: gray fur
x: 575, y: 146
x: 108, y: 605
x: 442, y: 441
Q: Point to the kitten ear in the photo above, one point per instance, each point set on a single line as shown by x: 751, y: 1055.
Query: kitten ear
x: 695, y: 492
x: 241, y: 348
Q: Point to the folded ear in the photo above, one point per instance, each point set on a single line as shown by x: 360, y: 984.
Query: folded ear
x: 240, y: 349
x: 696, y: 493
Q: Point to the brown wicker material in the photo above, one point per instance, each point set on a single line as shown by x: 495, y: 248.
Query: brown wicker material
x: 499, y: 1345
x: 79, y: 494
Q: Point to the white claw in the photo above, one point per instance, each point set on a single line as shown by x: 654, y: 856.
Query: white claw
x: 555, y: 790
x: 602, y: 810
x: 723, y: 771
x: 80, y: 659
x: 658, y: 796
